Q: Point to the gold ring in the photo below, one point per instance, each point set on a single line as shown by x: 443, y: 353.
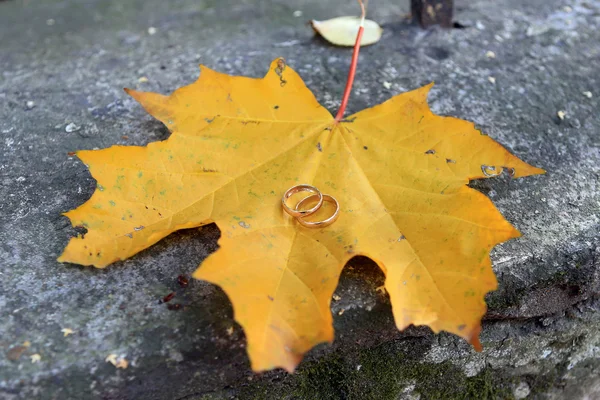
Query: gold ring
x: 325, y: 222
x: 296, y: 212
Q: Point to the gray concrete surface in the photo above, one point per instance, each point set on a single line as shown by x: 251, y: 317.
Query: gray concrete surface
x: 63, y: 63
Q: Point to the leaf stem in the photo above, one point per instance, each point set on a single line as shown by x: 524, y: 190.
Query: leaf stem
x: 353, y: 63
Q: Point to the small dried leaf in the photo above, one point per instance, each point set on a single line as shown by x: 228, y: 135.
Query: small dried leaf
x: 67, y: 331
x: 118, y: 362
x: 342, y: 31
x: 122, y: 363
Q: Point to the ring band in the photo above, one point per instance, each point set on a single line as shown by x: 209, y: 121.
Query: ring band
x: 296, y: 212
x: 325, y: 222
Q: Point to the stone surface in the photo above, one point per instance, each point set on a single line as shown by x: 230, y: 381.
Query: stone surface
x: 63, y: 65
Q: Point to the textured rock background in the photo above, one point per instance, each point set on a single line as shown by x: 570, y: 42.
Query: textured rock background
x: 63, y: 65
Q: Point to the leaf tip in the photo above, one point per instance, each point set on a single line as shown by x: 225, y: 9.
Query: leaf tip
x: 515, y: 234
x: 423, y: 93
x: 278, y: 65
x: 537, y: 171
x: 474, y: 340
x: 289, y: 365
x: 136, y: 95
x: 132, y: 92
x: 526, y: 169
x: 477, y: 344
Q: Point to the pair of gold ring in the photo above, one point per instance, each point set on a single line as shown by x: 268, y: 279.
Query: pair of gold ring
x: 299, y: 213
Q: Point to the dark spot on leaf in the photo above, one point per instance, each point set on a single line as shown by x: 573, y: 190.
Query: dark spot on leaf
x: 279, y: 71
x: 365, y: 147
x: 461, y: 327
x: 430, y: 151
x: 450, y: 161
x: 270, y: 298
x: 319, y: 147
x: 276, y: 107
x: 80, y: 231
x: 250, y: 122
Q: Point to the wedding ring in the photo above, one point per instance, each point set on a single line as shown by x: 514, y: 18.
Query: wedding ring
x: 297, y: 211
x: 325, y: 222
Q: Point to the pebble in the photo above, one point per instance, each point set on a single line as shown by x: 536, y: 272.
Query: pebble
x: 490, y: 54
x: 297, y: 13
x: 521, y: 391
x: 561, y: 115
x: 491, y: 79
x: 387, y: 85
x: 588, y: 94
x: 30, y: 104
x: 535, y: 30
x: 71, y: 127
x: 151, y: 31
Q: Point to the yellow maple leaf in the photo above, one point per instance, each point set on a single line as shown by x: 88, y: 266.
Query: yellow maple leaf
x: 398, y: 171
